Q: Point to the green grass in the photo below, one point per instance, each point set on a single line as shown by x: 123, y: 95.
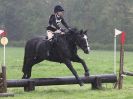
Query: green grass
x: 99, y: 62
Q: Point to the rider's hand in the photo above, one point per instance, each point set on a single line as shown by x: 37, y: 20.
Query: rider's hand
x: 69, y: 28
x: 62, y: 30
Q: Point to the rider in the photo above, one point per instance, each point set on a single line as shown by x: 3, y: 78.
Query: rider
x: 54, y: 22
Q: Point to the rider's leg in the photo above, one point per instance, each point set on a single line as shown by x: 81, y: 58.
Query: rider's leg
x: 49, y: 34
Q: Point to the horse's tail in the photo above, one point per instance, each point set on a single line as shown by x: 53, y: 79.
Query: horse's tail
x: 24, y: 62
x: 27, y: 54
x: 30, y: 51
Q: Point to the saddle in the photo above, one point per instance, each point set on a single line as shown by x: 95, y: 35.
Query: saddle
x: 50, y: 42
x: 54, y: 38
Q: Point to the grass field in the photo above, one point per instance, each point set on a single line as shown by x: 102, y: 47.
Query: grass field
x: 99, y: 62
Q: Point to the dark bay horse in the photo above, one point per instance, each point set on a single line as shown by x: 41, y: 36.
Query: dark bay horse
x: 63, y: 49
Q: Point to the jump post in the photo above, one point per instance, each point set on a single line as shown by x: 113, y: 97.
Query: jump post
x: 3, y: 83
x: 121, y: 70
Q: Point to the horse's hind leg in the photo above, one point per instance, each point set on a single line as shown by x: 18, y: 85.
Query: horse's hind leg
x: 27, y: 67
x: 27, y: 73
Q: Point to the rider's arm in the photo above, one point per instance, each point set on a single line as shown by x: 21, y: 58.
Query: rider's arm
x: 52, y: 21
x: 64, y: 23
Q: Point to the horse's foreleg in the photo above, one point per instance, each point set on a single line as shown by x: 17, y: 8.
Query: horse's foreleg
x: 69, y: 65
x: 85, y: 67
x: 79, y: 60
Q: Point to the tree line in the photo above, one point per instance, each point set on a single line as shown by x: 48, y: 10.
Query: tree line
x: 24, y: 19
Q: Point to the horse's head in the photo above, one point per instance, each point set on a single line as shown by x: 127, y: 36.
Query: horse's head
x: 81, y: 40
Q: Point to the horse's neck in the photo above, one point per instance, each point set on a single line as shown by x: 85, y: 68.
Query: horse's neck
x: 72, y: 43
x: 66, y: 43
x: 68, y: 40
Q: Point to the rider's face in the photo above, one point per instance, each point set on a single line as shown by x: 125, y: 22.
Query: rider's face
x: 61, y: 13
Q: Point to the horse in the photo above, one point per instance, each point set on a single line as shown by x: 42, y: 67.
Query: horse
x: 63, y: 49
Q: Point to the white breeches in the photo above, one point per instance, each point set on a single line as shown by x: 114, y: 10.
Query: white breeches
x: 50, y: 33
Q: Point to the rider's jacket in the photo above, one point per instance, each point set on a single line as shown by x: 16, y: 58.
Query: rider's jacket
x: 55, y: 22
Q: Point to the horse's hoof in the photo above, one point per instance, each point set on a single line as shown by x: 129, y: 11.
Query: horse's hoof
x: 81, y: 84
x: 87, y: 74
x: 23, y: 77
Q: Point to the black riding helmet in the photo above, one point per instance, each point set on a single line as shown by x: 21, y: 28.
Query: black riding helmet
x: 58, y: 8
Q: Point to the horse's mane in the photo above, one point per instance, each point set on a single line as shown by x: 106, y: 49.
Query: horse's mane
x: 72, y: 31
x: 68, y: 37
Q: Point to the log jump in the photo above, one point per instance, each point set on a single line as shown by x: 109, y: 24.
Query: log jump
x: 95, y: 80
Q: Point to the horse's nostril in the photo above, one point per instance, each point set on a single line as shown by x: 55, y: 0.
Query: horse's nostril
x: 86, y: 51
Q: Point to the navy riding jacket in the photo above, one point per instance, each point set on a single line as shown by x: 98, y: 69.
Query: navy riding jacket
x: 55, y: 21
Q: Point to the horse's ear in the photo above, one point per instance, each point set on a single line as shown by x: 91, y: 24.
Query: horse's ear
x: 85, y: 32
x: 81, y: 31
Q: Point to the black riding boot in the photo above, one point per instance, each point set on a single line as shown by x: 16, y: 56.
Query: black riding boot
x: 49, y: 43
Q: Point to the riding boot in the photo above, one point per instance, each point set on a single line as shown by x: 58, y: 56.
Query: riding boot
x: 48, y: 47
